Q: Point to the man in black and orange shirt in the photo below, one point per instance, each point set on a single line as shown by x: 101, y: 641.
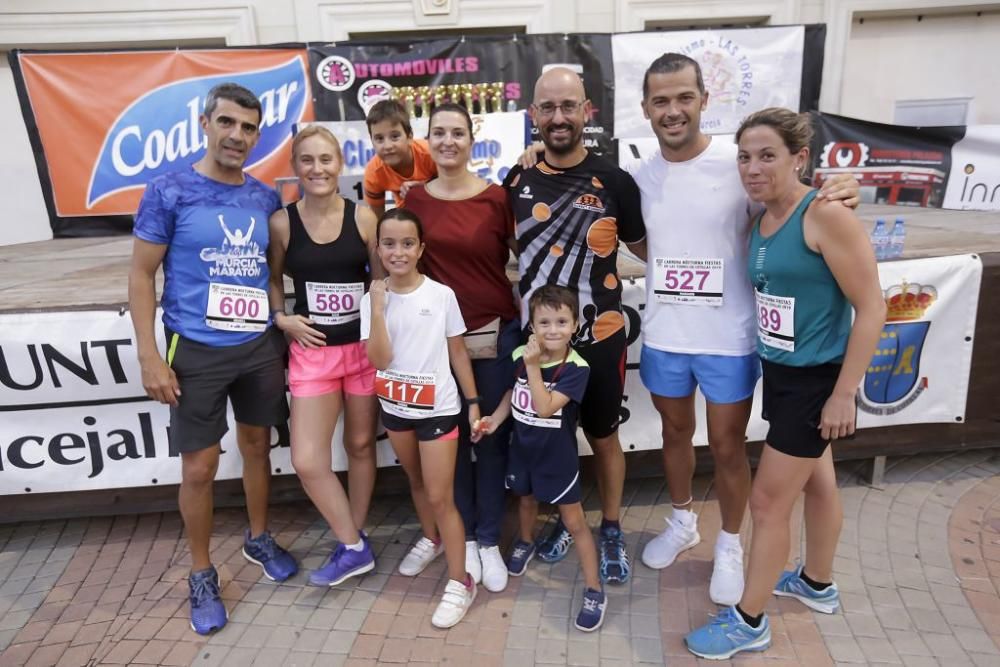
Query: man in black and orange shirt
x: 571, y: 209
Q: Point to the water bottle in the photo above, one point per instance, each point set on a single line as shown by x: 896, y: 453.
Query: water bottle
x: 897, y: 239
x: 880, y: 240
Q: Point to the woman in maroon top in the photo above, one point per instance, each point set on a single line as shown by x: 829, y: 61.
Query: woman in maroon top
x: 469, y: 233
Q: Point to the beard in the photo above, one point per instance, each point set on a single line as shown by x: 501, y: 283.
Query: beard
x: 562, y: 146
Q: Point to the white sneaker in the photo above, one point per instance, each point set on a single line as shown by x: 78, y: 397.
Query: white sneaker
x: 727, y: 576
x: 661, y: 551
x: 420, y: 556
x: 472, y: 564
x: 454, y: 603
x: 494, y: 569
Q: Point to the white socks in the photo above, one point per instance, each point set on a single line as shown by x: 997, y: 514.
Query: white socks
x: 727, y: 540
x: 686, y: 518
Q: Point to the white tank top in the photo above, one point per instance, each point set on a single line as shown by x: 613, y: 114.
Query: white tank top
x: 698, y: 297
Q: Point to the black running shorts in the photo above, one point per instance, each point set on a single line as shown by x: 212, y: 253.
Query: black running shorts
x: 793, y: 403
x: 251, y: 375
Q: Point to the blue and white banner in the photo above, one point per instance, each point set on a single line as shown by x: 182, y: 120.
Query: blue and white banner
x: 74, y: 416
x: 919, y: 373
x: 499, y: 139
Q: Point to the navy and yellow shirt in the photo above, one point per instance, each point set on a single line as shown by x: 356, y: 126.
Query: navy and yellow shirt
x: 535, y: 435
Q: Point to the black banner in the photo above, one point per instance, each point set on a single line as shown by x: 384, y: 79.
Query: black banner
x: 493, y: 73
x: 895, y: 164
x: 813, y: 48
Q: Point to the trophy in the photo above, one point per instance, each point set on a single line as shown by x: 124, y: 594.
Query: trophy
x: 405, y: 94
x: 496, y: 96
x: 439, y: 94
x: 482, y: 91
x: 454, y: 93
x: 424, y: 93
x: 465, y: 91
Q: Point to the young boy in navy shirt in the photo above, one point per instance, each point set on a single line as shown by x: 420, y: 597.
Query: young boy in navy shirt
x: 543, y: 464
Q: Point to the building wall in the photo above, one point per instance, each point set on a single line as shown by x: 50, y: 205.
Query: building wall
x: 866, y: 68
x: 939, y: 56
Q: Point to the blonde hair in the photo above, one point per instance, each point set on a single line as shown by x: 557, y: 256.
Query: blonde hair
x: 316, y: 131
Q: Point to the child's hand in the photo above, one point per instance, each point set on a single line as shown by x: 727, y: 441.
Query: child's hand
x: 404, y: 189
x: 532, y: 354
x: 483, y: 427
x: 377, y: 290
x: 473, y: 419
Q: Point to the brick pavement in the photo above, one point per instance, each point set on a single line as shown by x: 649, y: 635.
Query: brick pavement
x: 918, y: 567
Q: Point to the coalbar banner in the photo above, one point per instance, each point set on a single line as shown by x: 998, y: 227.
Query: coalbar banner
x: 95, y: 159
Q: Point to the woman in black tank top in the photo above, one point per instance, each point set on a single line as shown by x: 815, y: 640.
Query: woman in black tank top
x: 326, y: 244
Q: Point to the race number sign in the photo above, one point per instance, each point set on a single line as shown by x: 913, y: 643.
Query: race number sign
x: 524, y: 408
x: 334, y: 303
x: 409, y: 394
x: 236, y: 308
x: 687, y: 281
x: 776, y: 321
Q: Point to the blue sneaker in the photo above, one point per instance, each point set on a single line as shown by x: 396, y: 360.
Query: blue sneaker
x: 520, y: 556
x: 555, y: 546
x: 278, y: 564
x: 343, y: 564
x: 790, y: 585
x: 591, y: 615
x: 727, y: 635
x: 208, y: 614
x: 615, y: 566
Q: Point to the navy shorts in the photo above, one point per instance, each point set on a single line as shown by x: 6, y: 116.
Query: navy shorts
x: 552, y: 476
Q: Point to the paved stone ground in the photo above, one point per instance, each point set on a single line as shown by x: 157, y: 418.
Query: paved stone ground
x: 919, y: 568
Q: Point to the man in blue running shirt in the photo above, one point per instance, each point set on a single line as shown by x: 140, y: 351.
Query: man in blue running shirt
x: 207, y: 226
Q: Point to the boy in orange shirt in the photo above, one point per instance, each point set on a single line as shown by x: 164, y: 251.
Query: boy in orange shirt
x: 398, y: 156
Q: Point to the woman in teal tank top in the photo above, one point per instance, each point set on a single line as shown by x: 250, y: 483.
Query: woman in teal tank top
x: 810, y: 261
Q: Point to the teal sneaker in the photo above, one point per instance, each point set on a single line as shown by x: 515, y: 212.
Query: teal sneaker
x: 790, y: 585
x: 727, y: 635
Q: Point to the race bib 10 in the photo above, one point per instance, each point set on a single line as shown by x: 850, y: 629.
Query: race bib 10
x: 688, y: 281
x: 236, y: 308
x: 776, y: 321
x: 334, y: 303
x: 523, y: 408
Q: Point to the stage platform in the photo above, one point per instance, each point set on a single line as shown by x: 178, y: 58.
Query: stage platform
x: 92, y: 273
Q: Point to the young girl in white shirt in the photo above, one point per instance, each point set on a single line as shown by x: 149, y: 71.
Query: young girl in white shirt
x: 414, y: 331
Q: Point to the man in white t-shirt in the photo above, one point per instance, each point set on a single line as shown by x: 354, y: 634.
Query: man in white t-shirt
x: 699, y: 321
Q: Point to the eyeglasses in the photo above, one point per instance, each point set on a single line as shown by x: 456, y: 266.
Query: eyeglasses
x: 548, y: 109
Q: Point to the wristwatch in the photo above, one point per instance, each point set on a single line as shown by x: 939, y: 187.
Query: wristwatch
x: 475, y: 400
